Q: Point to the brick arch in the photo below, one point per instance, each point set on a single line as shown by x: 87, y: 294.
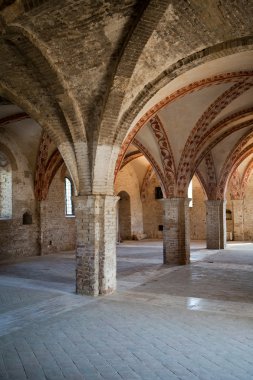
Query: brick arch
x: 200, y: 130
x: 216, y: 141
x: 192, y: 87
x: 146, y: 180
x: 236, y: 191
x: 166, y: 154
x: 234, y: 159
x: 65, y: 147
x: 14, y: 118
x: 219, y: 50
x: 14, y: 87
x: 154, y: 164
x: 131, y: 157
x: 148, y: 18
x: 245, y: 177
x: 211, y: 184
x: 45, y: 176
x: 38, y: 57
x: 67, y: 109
x: 202, y: 182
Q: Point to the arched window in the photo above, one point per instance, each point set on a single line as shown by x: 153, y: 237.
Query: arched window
x: 69, y: 209
x: 5, y: 187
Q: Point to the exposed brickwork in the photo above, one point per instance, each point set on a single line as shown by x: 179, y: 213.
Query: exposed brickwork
x: 196, y: 86
x: 152, y: 209
x: 247, y: 213
x: 176, y: 231
x: 96, y: 251
x: 218, y: 139
x: 16, y: 239
x: 197, y: 212
x: 146, y: 180
x: 211, y: 176
x: 5, y: 187
x: 196, y: 137
x: 156, y: 167
x: 85, y: 70
x: 238, y: 219
x: 57, y: 231
x: 236, y: 186
x: 127, y: 181
x: 166, y: 154
x: 40, y: 171
x: 216, y: 224
x: 245, y: 178
x: 238, y: 153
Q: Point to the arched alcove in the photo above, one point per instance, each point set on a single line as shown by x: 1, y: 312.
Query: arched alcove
x: 124, y: 216
x: 27, y: 218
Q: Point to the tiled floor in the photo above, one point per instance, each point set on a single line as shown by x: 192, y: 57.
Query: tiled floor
x: 191, y: 322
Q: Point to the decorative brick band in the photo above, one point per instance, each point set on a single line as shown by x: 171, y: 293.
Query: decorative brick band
x: 154, y: 164
x: 146, y: 180
x: 192, y: 87
x: 200, y: 131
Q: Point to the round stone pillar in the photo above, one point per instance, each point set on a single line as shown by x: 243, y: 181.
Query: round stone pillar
x: 176, y: 233
x: 96, y: 244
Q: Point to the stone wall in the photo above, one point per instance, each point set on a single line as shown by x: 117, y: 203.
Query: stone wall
x: 248, y: 211
x: 17, y: 239
x: 229, y: 216
x: 198, y: 212
x: 127, y: 181
x: 152, y: 211
x: 58, y: 232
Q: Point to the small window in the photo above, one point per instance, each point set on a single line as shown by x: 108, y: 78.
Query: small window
x: 69, y: 210
x: 158, y: 193
x: 27, y: 218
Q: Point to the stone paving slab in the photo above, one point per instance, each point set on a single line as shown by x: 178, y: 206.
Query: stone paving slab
x: 144, y: 331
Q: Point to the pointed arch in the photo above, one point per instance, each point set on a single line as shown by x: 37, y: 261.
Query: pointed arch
x: 196, y: 137
x: 192, y: 87
x: 154, y: 164
x: 166, y: 154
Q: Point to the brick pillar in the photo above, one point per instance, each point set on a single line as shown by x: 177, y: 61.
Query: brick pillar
x: 176, y: 232
x: 238, y: 218
x: 216, y: 224
x: 96, y: 244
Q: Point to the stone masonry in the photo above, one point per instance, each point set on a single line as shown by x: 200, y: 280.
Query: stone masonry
x: 176, y: 234
x: 216, y: 224
x: 96, y: 244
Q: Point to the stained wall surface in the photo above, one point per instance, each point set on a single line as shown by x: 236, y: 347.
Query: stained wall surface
x: 17, y: 239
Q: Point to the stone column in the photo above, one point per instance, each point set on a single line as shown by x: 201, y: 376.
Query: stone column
x: 176, y: 232
x: 238, y: 219
x: 96, y: 244
x: 216, y: 224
